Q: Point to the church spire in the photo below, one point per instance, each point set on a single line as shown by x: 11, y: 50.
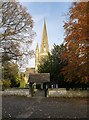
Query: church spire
x: 36, y: 58
x: 44, y: 48
x: 37, y: 48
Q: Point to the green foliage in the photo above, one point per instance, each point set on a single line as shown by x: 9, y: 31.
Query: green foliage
x: 11, y: 72
x: 53, y: 64
x: 6, y: 84
x: 22, y: 84
x: 22, y: 80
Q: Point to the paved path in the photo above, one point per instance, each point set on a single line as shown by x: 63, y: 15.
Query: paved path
x: 39, y: 94
x: 23, y: 107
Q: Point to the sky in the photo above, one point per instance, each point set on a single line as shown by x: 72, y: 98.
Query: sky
x: 54, y: 14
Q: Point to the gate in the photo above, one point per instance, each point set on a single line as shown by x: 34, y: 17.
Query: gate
x: 38, y: 84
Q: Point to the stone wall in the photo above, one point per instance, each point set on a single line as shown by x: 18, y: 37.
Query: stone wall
x: 17, y: 92
x: 62, y: 92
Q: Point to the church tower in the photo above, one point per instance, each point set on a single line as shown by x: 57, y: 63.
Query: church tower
x: 36, y: 58
x: 44, y: 48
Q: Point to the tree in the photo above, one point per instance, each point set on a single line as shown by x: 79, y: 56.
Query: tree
x: 76, y: 42
x: 53, y: 65
x: 11, y: 72
x: 17, y: 33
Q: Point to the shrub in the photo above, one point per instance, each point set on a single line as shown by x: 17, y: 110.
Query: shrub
x: 6, y: 84
x: 22, y: 84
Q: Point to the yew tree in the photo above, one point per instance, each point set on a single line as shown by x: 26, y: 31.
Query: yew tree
x: 76, y: 42
x: 53, y: 64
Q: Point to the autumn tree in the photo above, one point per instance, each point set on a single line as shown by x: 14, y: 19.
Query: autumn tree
x: 16, y: 31
x: 76, y: 42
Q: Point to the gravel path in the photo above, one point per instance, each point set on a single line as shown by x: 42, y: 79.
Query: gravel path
x: 23, y: 107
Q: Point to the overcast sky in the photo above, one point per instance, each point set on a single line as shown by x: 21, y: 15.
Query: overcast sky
x: 53, y: 12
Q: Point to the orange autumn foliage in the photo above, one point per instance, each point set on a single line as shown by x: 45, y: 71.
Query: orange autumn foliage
x: 76, y: 42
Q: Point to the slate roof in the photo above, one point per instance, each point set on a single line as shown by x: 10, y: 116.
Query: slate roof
x: 39, y: 77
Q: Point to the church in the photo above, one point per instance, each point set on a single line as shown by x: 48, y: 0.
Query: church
x: 39, y: 53
x: 44, y: 48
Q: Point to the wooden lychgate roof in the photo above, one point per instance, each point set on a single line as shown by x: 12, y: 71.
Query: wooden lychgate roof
x: 39, y: 77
